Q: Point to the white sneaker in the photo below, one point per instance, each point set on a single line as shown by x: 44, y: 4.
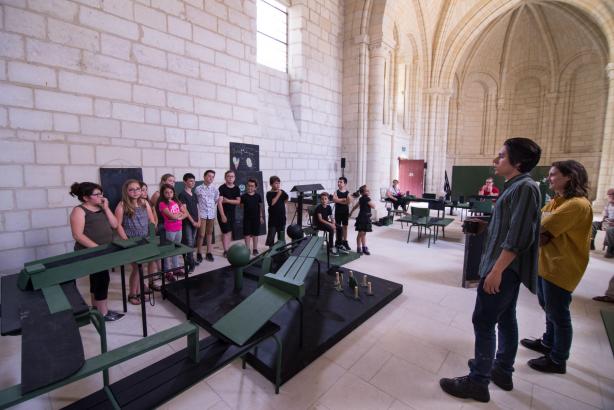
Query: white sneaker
x: 334, y: 252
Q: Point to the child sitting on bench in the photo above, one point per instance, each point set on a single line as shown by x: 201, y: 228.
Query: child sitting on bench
x: 323, y: 220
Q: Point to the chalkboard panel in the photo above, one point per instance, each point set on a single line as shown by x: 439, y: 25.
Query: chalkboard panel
x: 241, y: 182
x: 467, y: 180
x: 244, y: 157
x: 112, y: 180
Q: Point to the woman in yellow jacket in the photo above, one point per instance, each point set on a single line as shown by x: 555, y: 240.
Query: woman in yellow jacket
x: 564, y: 249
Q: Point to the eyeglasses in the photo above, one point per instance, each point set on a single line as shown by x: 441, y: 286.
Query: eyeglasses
x: 134, y: 190
x: 97, y: 194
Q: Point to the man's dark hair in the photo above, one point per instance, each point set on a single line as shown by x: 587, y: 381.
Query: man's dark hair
x: 252, y: 180
x: 578, y: 178
x: 524, y: 154
x: 274, y: 179
x: 188, y: 176
x: 207, y: 171
x: 344, y: 179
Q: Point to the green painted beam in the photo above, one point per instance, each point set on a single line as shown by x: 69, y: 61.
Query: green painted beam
x: 245, y: 320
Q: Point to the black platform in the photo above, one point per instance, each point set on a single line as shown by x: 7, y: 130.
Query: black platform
x: 327, y: 318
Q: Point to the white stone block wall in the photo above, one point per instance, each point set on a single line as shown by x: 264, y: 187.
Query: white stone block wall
x: 160, y: 84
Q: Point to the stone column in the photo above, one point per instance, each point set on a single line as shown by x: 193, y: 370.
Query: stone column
x: 606, y: 166
x: 552, y: 100
x: 363, y: 109
x: 437, y: 104
x: 378, y: 141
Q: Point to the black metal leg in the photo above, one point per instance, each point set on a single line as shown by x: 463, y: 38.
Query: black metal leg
x: 300, y: 330
x: 187, y: 289
x: 122, y: 271
x: 318, y: 293
x: 143, y: 310
x: 277, y: 365
x: 163, y: 274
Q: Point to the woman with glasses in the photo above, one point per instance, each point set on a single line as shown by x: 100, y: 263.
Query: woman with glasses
x: 92, y: 224
x: 133, y: 217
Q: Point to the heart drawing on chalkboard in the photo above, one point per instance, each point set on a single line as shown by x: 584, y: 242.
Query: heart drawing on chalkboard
x: 248, y: 161
x: 236, y: 161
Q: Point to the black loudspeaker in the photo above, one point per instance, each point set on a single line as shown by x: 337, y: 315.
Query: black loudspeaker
x: 342, y: 163
x: 425, y: 165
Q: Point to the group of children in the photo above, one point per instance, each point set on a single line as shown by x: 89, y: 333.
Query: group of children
x: 188, y: 218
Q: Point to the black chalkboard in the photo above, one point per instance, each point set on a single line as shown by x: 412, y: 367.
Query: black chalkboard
x: 244, y: 157
x: 241, y: 182
x: 112, y: 180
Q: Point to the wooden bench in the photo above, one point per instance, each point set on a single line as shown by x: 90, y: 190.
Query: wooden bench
x: 13, y: 395
x: 275, y: 291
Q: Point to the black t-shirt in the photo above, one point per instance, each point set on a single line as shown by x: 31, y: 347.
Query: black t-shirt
x: 191, y: 204
x: 229, y: 193
x: 364, y: 209
x: 277, y: 211
x: 251, y: 205
x: 342, y: 208
x: 325, y: 212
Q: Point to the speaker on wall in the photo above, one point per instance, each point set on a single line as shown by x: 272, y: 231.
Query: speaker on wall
x: 425, y: 165
x: 342, y: 163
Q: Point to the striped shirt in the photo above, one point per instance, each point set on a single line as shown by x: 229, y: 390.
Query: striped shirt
x: 515, y: 226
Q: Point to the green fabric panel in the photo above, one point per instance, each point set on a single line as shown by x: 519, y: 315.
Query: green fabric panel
x: 245, y: 320
x: 467, y: 180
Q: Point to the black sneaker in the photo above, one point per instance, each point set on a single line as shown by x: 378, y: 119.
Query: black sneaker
x: 365, y: 250
x: 255, y: 252
x: 498, y: 377
x: 199, y: 258
x: 225, y: 254
x: 112, y: 316
x: 536, y: 345
x: 209, y: 257
x: 465, y: 388
x: 545, y: 364
x: 346, y: 245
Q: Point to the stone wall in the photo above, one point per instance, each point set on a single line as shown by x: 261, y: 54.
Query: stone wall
x: 160, y: 84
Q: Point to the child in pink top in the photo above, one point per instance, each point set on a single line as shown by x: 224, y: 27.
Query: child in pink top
x: 173, y: 214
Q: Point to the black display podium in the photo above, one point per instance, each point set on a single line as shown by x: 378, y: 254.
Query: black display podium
x: 474, y: 245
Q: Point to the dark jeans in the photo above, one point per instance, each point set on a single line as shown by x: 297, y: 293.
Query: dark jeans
x: 555, y: 301
x: 609, y: 236
x: 331, y: 233
x: 188, y: 238
x: 498, y: 310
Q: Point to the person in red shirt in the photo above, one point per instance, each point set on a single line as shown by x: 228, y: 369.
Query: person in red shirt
x: 489, y: 188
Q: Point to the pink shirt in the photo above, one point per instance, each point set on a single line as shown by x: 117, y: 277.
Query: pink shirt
x: 171, y: 225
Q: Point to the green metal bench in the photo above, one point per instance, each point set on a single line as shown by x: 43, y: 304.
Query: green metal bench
x: 608, y: 321
x: 275, y: 291
x: 101, y: 363
x: 440, y: 223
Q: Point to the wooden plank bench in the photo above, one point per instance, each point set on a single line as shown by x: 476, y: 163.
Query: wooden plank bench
x: 156, y: 384
x: 13, y: 395
x: 276, y: 290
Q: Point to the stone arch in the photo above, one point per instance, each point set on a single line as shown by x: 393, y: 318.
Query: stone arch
x: 470, y: 28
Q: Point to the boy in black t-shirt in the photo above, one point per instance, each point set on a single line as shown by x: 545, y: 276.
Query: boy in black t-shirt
x: 192, y: 222
x: 253, y: 215
x: 341, y: 198
x: 276, y: 199
x: 324, y: 221
x: 230, y: 197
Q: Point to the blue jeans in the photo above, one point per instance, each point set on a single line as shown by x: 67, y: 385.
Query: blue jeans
x: 555, y: 301
x: 188, y: 238
x: 173, y: 261
x: 498, y: 310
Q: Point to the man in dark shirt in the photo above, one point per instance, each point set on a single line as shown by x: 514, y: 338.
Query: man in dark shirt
x: 509, y: 259
x: 192, y: 222
x: 230, y: 197
x: 276, y: 199
x: 253, y: 215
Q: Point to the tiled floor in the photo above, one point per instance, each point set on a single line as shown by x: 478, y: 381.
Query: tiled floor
x: 396, y: 358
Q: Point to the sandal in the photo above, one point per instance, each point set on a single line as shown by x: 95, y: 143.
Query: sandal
x: 606, y: 299
x: 157, y: 286
x: 170, y: 277
x: 134, y: 299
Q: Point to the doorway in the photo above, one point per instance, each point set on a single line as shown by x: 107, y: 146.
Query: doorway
x: 411, y: 176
